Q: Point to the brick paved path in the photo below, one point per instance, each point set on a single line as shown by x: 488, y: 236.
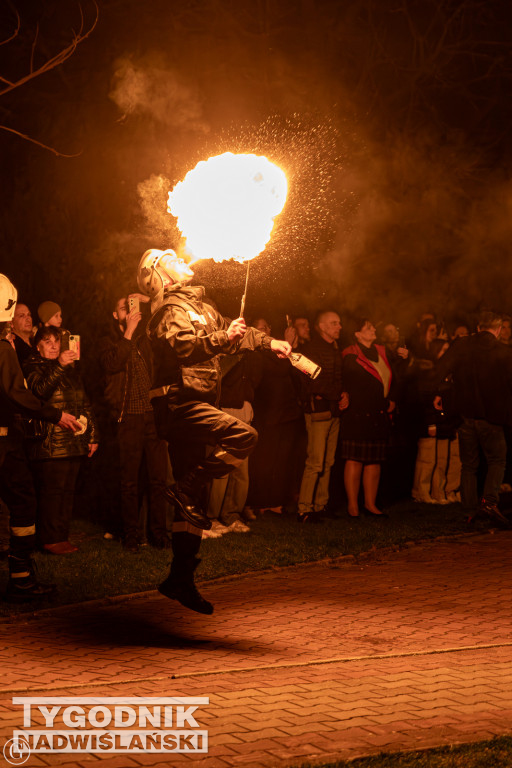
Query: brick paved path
x: 399, y: 651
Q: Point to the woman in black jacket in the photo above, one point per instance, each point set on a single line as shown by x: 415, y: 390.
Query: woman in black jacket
x: 55, y: 454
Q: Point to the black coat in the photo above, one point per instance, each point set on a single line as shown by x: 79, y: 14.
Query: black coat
x: 481, y: 367
x: 366, y: 418
x: 324, y: 392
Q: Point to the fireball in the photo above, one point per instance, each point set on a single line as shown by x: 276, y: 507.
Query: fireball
x: 226, y: 206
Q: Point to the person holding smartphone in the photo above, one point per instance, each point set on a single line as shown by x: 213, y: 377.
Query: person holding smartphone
x: 127, y: 362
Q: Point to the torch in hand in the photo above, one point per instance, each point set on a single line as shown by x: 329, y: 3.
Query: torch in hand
x: 242, y: 305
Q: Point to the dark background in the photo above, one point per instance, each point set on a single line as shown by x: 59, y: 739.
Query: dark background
x: 391, y: 118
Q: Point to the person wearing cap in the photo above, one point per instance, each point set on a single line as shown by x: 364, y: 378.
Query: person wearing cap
x: 50, y: 313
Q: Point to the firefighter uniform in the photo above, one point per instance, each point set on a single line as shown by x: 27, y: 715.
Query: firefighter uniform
x: 16, y: 486
x: 187, y: 336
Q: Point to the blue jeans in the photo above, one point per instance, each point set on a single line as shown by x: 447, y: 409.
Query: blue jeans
x: 476, y: 434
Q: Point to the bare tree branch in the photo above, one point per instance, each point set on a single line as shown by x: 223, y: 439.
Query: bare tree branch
x: 16, y: 31
x: 39, y: 143
x: 60, y: 57
x: 51, y: 63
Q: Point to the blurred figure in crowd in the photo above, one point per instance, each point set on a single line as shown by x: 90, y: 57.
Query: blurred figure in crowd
x: 22, y: 328
x: 506, y: 333
x: 482, y: 377
x: 127, y: 361
x: 458, y: 329
x: 55, y: 454
x: 297, y: 332
x: 365, y: 425
x: 437, y: 470
x: 279, y: 422
x: 425, y: 319
x: 228, y: 496
x: 323, y: 400
x: 427, y: 332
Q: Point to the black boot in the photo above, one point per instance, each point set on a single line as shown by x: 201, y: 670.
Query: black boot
x: 23, y: 585
x: 188, y: 506
x: 179, y: 585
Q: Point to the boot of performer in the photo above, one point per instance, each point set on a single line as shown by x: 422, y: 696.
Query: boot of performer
x: 185, y: 495
x: 23, y: 585
x: 180, y: 586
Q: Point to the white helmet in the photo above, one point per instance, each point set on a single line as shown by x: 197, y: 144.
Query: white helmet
x: 8, y: 298
x: 158, y: 268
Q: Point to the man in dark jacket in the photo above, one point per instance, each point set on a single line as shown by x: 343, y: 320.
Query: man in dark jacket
x: 482, y: 379
x: 187, y: 336
x: 22, y: 329
x: 323, y: 399
x: 127, y: 361
x: 15, y: 478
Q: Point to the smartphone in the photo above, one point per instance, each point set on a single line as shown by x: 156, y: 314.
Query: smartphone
x: 133, y: 304
x: 74, y: 345
x: 64, y: 341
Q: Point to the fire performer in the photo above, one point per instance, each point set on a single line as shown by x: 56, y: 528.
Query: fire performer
x: 187, y: 336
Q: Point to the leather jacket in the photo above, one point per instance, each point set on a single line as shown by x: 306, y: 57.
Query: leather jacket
x: 60, y: 386
x: 187, y: 336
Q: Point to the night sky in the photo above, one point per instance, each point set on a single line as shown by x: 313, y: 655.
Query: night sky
x: 392, y: 121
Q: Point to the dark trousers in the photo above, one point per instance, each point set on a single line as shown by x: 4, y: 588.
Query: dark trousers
x: 476, y: 435
x: 137, y: 437
x: 277, y: 464
x: 204, y: 443
x: 190, y: 428
x: 17, y: 491
x: 55, y: 481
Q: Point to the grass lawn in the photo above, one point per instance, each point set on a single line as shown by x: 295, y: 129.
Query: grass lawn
x: 496, y: 753
x: 102, y: 568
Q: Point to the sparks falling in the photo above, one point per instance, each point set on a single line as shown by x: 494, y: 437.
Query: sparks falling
x: 226, y: 206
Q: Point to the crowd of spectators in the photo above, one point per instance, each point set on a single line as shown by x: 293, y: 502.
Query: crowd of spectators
x: 378, y: 410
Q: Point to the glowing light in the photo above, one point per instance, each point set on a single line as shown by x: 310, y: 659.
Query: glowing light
x: 226, y: 206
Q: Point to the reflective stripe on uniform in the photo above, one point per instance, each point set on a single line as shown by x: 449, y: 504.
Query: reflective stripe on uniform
x: 19, y: 574
x: 27, y: 530
x: 181, y: 526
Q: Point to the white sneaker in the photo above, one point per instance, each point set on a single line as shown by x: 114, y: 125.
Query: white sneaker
x: 218, y: 528
x: 211, y: 534
x: 238, y: 527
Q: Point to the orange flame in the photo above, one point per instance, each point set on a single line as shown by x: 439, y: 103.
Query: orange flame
x: 226, y: 206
